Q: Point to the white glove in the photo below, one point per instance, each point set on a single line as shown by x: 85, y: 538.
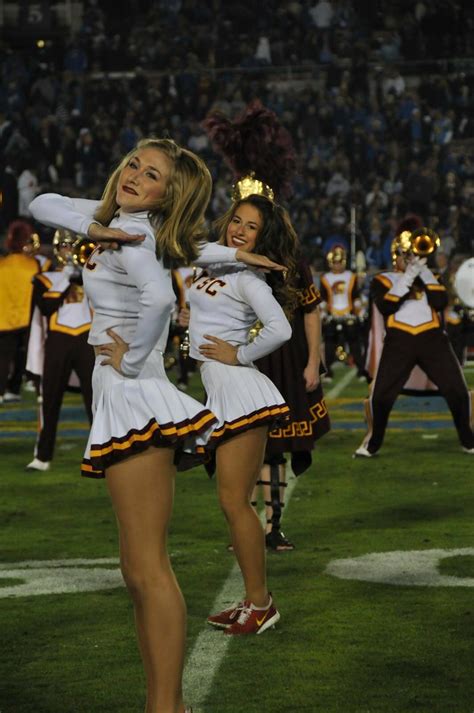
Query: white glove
x: 412, y: 271
x: 426, y: 275
x: 70, y: 271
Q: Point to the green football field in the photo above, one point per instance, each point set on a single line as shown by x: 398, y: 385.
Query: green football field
x: 376, y: 600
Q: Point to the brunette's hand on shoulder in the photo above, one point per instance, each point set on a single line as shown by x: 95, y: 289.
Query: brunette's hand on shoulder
x: 112, y: 238
x: 219, y: 350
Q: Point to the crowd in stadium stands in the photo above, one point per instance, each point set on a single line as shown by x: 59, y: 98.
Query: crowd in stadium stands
x: 377, y: 121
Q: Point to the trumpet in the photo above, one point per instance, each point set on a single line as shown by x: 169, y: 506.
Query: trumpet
x: 79, y: 249
x: 421, y: 242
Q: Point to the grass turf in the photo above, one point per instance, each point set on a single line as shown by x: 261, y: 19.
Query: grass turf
x: 342, y: 646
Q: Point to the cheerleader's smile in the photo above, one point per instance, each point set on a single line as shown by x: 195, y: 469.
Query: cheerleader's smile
x: 244, y: 228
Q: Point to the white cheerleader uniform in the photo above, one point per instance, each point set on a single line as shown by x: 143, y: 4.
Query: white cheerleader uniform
x: 130, y: 292
x: 225, y: 302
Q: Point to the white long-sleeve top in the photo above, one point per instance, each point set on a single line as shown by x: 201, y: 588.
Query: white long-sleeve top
x: 225, y: 302
x: 129, y: 289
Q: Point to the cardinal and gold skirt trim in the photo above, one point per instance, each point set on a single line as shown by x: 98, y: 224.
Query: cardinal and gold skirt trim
x: 130, y: 415
x: 241, y: 398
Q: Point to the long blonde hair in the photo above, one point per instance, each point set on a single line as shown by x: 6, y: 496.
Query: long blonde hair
x: 178, y: 219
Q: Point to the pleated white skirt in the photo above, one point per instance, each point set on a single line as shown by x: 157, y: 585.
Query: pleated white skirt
x: 132, y: 414
x: 241, y: 397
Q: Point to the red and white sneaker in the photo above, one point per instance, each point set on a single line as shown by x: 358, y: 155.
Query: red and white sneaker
x: 253, y: 620
x: 226, y: 617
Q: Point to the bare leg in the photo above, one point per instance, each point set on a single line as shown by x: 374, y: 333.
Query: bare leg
x: 239, y: 461
x: 142, y: 489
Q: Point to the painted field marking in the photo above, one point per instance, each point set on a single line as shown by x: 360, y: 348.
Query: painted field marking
x: 211, y: 646
x: 412, y: 568
x: 415, y: 568
x: 37, y: 577
x: 341, y: 385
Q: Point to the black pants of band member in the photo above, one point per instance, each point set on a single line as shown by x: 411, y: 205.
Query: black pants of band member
x: 432, y: 351
x: 352, y: 336
x: 12, y: 359
x: 64, y: 353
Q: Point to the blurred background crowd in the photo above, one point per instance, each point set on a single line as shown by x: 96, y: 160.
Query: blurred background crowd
x: 377, y: 95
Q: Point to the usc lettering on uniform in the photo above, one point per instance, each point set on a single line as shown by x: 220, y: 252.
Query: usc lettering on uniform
x: 208, y: 283
x: 90, y: 264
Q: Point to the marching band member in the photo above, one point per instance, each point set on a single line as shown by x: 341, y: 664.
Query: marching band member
x: 341, y: 306
x: 154, y: 200
x: 59, y: 297
x: 38, y: 326
x: 410, y: 299
x: 17, y: 270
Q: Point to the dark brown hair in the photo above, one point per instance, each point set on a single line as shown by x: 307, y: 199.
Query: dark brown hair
x: 277, y: 240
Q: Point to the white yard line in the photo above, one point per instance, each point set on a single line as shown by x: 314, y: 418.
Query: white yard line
x: 210, y: 647
x: 341, y: 385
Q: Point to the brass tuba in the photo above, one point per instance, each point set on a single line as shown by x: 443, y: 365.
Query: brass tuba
x: 80, y: 248
x: 63, y: 239
x: 420, y: 242
x: 424, y: 242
